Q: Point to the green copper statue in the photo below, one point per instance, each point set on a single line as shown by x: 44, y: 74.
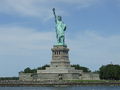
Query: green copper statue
x: 60, y: 29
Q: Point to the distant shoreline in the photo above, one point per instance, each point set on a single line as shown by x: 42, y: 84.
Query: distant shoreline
x: 14, y: 83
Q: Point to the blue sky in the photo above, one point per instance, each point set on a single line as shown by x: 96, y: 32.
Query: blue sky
x: 27, y: 32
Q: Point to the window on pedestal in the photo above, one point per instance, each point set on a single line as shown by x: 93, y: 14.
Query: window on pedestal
x: 59, y: 74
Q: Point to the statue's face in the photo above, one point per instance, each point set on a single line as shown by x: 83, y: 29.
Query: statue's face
x: 59, y: 18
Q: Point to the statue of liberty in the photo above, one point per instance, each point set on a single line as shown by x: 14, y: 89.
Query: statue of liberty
x: 60, y: 29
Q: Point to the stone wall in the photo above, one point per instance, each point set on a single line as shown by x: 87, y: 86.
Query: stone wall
x: 25, y: 76
x: 48, y: 76
x: 58, y: 76
x: 90, y: 76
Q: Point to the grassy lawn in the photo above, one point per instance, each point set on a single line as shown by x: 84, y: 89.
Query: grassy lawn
x: 92, y: 81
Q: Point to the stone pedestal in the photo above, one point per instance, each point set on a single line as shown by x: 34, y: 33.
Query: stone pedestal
x: 60, y: 56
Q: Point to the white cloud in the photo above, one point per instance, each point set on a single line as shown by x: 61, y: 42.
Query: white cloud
x: 39, y: 8
x: 22, y: 47
x: 93, y: 50
x: 16, y: 40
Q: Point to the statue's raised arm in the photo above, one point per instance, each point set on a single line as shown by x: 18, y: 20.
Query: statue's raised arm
x: 54, y: 15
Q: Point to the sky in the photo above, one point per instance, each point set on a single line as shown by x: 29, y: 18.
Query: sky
x: 27, y: 33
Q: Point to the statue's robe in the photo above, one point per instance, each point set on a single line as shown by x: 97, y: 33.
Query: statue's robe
x: 60, y: 28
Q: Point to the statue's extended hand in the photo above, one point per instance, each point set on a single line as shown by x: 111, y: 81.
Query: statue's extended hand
x: 53, y: 9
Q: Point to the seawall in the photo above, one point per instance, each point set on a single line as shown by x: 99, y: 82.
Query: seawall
x: 55, y: 83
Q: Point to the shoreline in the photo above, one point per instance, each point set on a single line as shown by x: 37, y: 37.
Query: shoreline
x: 17, y: 83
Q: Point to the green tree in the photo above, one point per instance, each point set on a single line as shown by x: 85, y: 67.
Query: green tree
x: 78, y: 67
x: 43, y: 67
x: 110, y: 72
x: 28, y: 70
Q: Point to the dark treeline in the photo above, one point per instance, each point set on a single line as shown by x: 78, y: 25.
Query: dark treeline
x: 29, y: 70
x: 77, y: 67
x: 43, y: 67
x: 110, y: 72
x: 9, y: 78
